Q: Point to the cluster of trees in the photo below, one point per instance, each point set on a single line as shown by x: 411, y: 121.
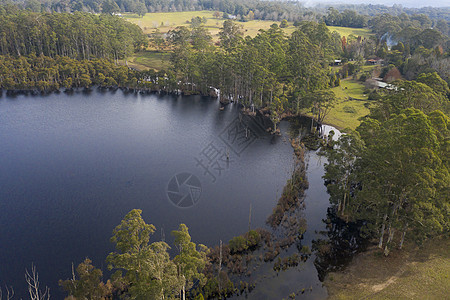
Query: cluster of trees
x: 348, y: 18
x: 143, y: 270
x: 78, y: 35
x: 392, y: 174
x: 434, y: 13
x: 416, y: 30
x: 45, y: 73
x: 270, y: 70
x: 421, y: 61
x: 351, y: 15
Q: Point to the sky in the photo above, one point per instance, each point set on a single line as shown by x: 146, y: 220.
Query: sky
x: 405, y: 3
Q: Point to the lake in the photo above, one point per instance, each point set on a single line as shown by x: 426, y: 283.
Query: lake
x: 72, y: 166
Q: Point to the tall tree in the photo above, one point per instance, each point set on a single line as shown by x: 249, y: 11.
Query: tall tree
x: 406, y: 94
x: 149, y: 272
x: 230, y: 35
x: 88, y: 285
x: 190, y: 261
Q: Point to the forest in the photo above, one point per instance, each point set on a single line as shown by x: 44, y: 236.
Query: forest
x: 351, y: 15
x: 391, y: 174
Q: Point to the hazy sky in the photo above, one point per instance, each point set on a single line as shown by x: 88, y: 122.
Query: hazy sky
x: 405, y: 3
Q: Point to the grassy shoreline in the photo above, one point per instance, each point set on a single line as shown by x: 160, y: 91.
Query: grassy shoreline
x: 412, y: 273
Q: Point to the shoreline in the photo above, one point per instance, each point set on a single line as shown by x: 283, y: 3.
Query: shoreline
x: 413, y: 273
x: 36, y: 92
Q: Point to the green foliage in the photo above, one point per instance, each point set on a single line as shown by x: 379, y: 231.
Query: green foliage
x: 284, y: 24
x: 434, y: 81
x: 253, y: 238
x: 394, y: 175
x: 148, y: 269
x: 321, y: 102
x: 110, y: 7
x: 238, y: 244
x: 88, y: 285
x: 190, y: 261
x: 348, y: 18
x: 78, y: 35
x: 230, y: 35
x: 406, y: 94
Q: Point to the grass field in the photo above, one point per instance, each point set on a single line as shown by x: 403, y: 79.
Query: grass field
x: 350, y: 106
x: 413, y: 273
x: 149, y: 60
x: 346, y: 31
x: 168, y: 21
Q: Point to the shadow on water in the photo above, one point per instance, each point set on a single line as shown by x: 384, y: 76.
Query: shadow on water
x: 340, y: 242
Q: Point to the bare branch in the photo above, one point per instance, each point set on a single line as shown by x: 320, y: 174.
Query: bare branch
x: 33, y: 285
x: 9, y: 293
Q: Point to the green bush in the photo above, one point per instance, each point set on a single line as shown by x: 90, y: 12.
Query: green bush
x: 349, y: 109
x: 238, y: 244
x: 253, y: 238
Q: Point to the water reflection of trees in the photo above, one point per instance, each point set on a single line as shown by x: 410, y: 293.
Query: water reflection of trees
x: 340, y: 242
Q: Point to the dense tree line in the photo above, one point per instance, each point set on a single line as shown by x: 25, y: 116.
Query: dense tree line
x: 352, y: 15
x: 46, y: 74
x: 370, y: 10
x: 348, y: 18
x: 415, y: 30
x: 78, y: 35
x: 392, y: 174
x: 270, y: 70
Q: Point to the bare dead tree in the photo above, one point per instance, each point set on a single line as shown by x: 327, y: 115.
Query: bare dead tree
x: 9, y: 293
x: 33, y: 285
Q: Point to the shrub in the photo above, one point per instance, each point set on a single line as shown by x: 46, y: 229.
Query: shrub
x: 253, y: 238
x: 238, y: 244
x: 349, y: 109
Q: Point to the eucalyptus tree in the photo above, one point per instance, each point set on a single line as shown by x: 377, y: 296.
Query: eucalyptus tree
x: 88, y: 285
x: 321, y: 103
x: 230, y: 35
x: 403, y: 174
x: 190, y: 261
x: 341, y: 174
x: 394, y: 175
x: 306, y: 66
x: 435, y: 82
x: 148, y: 270
x: 406, y: 94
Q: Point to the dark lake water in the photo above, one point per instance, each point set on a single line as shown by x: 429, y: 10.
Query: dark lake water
x: 72, y: 166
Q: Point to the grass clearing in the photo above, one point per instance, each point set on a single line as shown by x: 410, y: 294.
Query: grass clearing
x: 170, y: 20
x: 346, y: 31
x: 351, y: 105
x: 350, y: 90
x: 149, y: 60
x: 413, y: 273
